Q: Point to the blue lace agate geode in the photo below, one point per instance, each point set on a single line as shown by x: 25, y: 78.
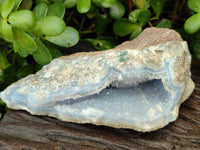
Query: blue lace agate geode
x: 138, y: 85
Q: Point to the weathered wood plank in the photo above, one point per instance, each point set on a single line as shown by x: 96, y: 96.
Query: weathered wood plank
x: 21, y: 131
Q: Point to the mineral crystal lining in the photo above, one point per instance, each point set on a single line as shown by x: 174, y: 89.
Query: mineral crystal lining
x: 130, y: 104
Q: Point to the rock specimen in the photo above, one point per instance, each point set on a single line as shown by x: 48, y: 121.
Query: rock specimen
x: 139, y: 85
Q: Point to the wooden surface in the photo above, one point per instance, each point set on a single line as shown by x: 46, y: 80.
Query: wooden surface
x: 21, y: 131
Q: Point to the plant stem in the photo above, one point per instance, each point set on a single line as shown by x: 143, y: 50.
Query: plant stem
x: 82, y: 23
x: 181, y: 6
x: 86, y: 32
x: 150, y: 24
x: 174, y: 13
x: 3, y: 60
x: 130, y: 5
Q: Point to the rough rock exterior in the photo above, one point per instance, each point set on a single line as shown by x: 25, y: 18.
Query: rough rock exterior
x: 138, y: 85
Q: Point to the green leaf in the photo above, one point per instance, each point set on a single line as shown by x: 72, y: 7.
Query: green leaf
x: 183, y: 34
x: 195, y: 36
x: 83, y: 6
x: 20, y: 62
x: 70, y: 3
x: 1, y: 37
x: 117, y: 10
x: 27, y: 4
x: 192, y: 24
x: 133, y: 16
x: 42, y: 55
x: 23, y: 52
x: 56, y: 9
x: 108, y: 38
x: 15, y: 46
x: 53, y: 49
x: 107, y: 3
x: 67, y: 39
x: 101, y: 22
x: 25, y: 70
x: 9, y: 76
x: 37, y: 2
x: 139, y: 3
x: 157, y: 6
x: 123, y: 27
x: 195, y: 47
x: 57, y: 1
x: 22, y: 19
x: 144, y: 16
x: 3, y: 60
x: 194, y: 5
x: 100, y: 44
x: 97, y: 3
x: 137, y: 32
x: 147, y: 4
x: 2, y: 103
x: 40, y: 10
x: 24, y: 40
x: 165, y: 23
x: 6, y: 7
x: 50, y: 26
x: 6, y: 31
x: 92, y: 12
x: 16, y: 5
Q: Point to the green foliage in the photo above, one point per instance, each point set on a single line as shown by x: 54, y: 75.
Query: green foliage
x: 24, y: 40
x: 194, y: 5
x: 6, y: 7
x: 42, y: 55
x: 192, y: 24
x: 3, y: 109
x: 165, y: 23
x: 70, y: 3
x: 16, y: 5
x: 49, y: 25
x: 195, y: 46
x: 117, y: 10
x: 102, y: 43
x: 23, y: 19
x: 107, y: 3
x: 124, y: 27
x: 6, y: 31
x: 26, y: 30
x: 32, y: 33
x: 134, y: 15
x: 4, y: 62
x: 139, y: 3
x: 56, y: 9
x: 68, y: 38
x: 83, y: 6
x: 26, y: 34
x: 40, y: 10
x: 144, y: 16
x: 157, y: 6
x: 101, y: 22
x: 135, y: 33
x: 27, y: 4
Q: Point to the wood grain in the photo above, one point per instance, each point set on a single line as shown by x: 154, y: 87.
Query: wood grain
x: 21, y: 131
